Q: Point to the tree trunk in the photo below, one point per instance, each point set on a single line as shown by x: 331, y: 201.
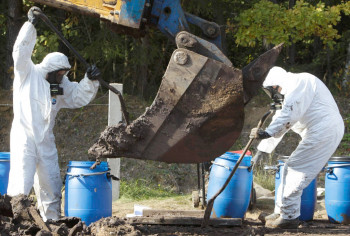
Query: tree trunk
x: 291, y: 3
x: 14, y: 23
x: 346, y: 76
x: 221, y: 21
x: 143, y: 75
x: 291, y: 48
x: 291, y: 53
x: 329, y: 68
x: 126, y: 68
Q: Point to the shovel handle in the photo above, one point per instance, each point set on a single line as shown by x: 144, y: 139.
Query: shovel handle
x: 82, y: 60
x: 211, y: 201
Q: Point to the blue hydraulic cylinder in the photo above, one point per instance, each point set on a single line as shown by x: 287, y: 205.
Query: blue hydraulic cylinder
x: 170, y: 19
x: 131, y: 13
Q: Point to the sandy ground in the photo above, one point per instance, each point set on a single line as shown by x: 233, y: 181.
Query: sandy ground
x: 251, y: 225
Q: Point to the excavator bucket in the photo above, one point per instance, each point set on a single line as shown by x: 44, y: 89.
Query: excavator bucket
x: 196, y: 116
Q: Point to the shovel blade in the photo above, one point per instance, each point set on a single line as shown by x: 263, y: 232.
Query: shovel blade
x: 255, y: 72
x: 196, y: 116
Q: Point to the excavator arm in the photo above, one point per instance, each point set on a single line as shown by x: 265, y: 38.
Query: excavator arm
x: 198, y: 112
x: 133, y: 16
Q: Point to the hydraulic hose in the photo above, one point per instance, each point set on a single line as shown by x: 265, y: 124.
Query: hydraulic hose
x: 82, y: 60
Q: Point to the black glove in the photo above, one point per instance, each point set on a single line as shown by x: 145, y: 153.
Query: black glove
x: 93, y: 72
x: 33, y: 17
x: 258, y: 134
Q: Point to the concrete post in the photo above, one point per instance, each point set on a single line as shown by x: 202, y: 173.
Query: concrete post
x: 114, y: 117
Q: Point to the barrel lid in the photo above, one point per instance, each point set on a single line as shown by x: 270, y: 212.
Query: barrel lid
x: 5, y: 155
x: 85, y: 164
x: 248, y: 153
x: 233, y: 156
x: 340, y: 159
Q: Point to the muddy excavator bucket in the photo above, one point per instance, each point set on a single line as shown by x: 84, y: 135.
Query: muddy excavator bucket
x: 196, y: 116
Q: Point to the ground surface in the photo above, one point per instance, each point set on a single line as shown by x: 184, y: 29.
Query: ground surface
x: 251, y: 225
x: 26, y: 221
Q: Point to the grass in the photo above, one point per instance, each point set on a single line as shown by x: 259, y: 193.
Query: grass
x: 142, y: 192
x: 125, y: 205
x: 141, y: 189
x: 264, y: 179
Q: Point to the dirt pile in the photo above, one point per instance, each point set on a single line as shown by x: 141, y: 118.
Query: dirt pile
x: 19, y: 216
x: 113, y: 226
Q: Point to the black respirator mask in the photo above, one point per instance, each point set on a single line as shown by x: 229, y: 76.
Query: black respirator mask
x: 54, y: 78
x: 276, y: 96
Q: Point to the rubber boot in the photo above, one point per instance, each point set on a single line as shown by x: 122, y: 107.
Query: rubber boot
x: 283, y: 223
x: 263, y: 217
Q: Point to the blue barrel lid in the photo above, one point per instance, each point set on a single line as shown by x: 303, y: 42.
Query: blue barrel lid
x: 234, y: 156
x: 340, y: 159
x: 86, y: 164
x: 5, y: 155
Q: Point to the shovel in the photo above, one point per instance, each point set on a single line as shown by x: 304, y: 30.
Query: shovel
x: 211, y: 201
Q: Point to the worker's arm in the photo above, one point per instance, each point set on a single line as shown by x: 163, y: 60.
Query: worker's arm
x: 269, y: 144
x: 24, y: 45
x: 78, y: 94
x: 294, y: 107
x: 22, y: 51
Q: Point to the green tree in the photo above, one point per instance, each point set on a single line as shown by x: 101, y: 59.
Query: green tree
x: 13, y: 24
x: 314, y: 27
x: 272, y: 23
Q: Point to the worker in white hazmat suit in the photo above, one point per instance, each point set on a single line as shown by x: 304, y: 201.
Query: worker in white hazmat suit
x: 308, y: 109
x: 39, y: 92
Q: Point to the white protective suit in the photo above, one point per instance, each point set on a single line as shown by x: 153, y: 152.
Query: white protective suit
x: 33, y: 149
x: 308, y: 109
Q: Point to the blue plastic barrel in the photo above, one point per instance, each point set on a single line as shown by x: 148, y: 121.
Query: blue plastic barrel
x: 308, y: 198
x: 4, y: 171
x: 88, y: 193
x: 337, y: 190
x: 233, y: 202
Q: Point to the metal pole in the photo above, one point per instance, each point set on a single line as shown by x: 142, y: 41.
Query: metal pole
x: 203, y: 182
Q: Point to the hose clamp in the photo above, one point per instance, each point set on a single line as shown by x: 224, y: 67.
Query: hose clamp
x: 84, y: 175
x: 330, y: 169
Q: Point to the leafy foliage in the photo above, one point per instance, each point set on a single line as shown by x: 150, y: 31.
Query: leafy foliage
x: 273, y: 23
x: 143, y: 189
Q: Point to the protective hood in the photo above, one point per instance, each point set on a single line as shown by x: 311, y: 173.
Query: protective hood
x: 53, y: 62
x: 278, y: 76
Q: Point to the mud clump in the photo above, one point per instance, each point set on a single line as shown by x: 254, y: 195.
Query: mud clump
x: 118, y: 139
x: 18, y: 216
x: 113, y: 226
